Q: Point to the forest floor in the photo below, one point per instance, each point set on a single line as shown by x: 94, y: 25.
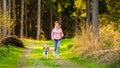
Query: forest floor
x: 33, y: 57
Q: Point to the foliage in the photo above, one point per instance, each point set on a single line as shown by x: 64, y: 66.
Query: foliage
x: 80, y: 6
x: 5, y: 20
x: 111, y: 12
x: 109, y: 36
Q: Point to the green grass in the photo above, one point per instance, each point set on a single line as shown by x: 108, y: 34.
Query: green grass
x: 66, y: 54
x: 52, y: 61
x: 9, y: 59
x: 83, y: 63
x: 115, y: 65
x: 36, y: 56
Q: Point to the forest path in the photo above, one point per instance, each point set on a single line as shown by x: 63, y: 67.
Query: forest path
x: 24, y: 60
x: 33, y: 58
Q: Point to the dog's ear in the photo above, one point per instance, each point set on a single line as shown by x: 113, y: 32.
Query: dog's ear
x: 48, y: 48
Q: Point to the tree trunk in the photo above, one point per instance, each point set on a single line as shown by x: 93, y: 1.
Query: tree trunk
x: 60, y: 18
x: 51, y: 9
x: 0, y: 32
x: 22, y: 15
x: 0, y: 3
x: 26, y: 30
x: 9, y: 8
x: 14, y: 17
x: 4, y: 12
x: 9, y: 12
x: 76, y: 26
x: 0, y: 15
x: 39, y: 19
x: 95, y: 21
x: 88, y: 18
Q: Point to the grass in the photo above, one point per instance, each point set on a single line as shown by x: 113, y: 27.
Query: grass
x: 115, y: 65
x: 36, y: 56
x: 9, y: 59
x: 83, y: 63
x: 67, y: 54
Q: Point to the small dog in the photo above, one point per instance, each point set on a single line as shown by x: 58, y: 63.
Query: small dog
x: 46, y: 49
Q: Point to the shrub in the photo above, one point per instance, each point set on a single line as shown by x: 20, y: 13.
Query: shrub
x: 109, y: 36
x: 12, y: 41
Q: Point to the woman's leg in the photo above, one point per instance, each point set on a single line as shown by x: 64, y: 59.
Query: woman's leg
x: 55, y: 45
x: 58, y: 46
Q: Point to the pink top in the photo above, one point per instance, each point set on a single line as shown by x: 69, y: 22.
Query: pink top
x: 57, y: 34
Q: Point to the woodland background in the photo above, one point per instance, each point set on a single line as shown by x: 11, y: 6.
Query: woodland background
x: 21, y: 17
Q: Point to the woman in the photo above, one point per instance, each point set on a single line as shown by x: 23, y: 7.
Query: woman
x: 57, y: 35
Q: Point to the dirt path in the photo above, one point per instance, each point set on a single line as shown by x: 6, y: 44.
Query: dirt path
x: 67, y: 64
x: 23, y: 60
x: 64, y: 62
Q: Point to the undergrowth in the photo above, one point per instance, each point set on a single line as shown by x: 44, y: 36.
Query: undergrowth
x: 107, y: 51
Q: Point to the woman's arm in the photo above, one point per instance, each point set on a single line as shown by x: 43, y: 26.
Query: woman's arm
x: 52, y: 34
x: 61, y: 33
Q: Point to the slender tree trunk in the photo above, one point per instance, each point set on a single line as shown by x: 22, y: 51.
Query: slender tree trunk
x: 9, y: 8
x: 14, y: 17
x: 88, y: 18
x: 4, y: 12
x: 60, y: 18
x: 22, y: 15
x: 26, y: 30
x: 9, y: 12
x: 39, y: 19
x: 0, y: 32
x: 76, y: 26
x: 95, y: 21
x: 0, y: 4
x: 51, y: 15
x: 0, y: 15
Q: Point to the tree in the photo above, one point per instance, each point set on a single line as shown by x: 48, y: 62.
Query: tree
x: 95, y: 21
x: 4, y: 12
x: 26, y: 17
x: 51, y: 15
x: 0, y: 17
x: 9, y: 12
x: 39, y: 19
x: 22, y: 19
x: 9, y: 7
x: 88, y: 18
x: 14, y: 16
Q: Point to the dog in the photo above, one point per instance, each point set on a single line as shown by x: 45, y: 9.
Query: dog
x: 46, y: 49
